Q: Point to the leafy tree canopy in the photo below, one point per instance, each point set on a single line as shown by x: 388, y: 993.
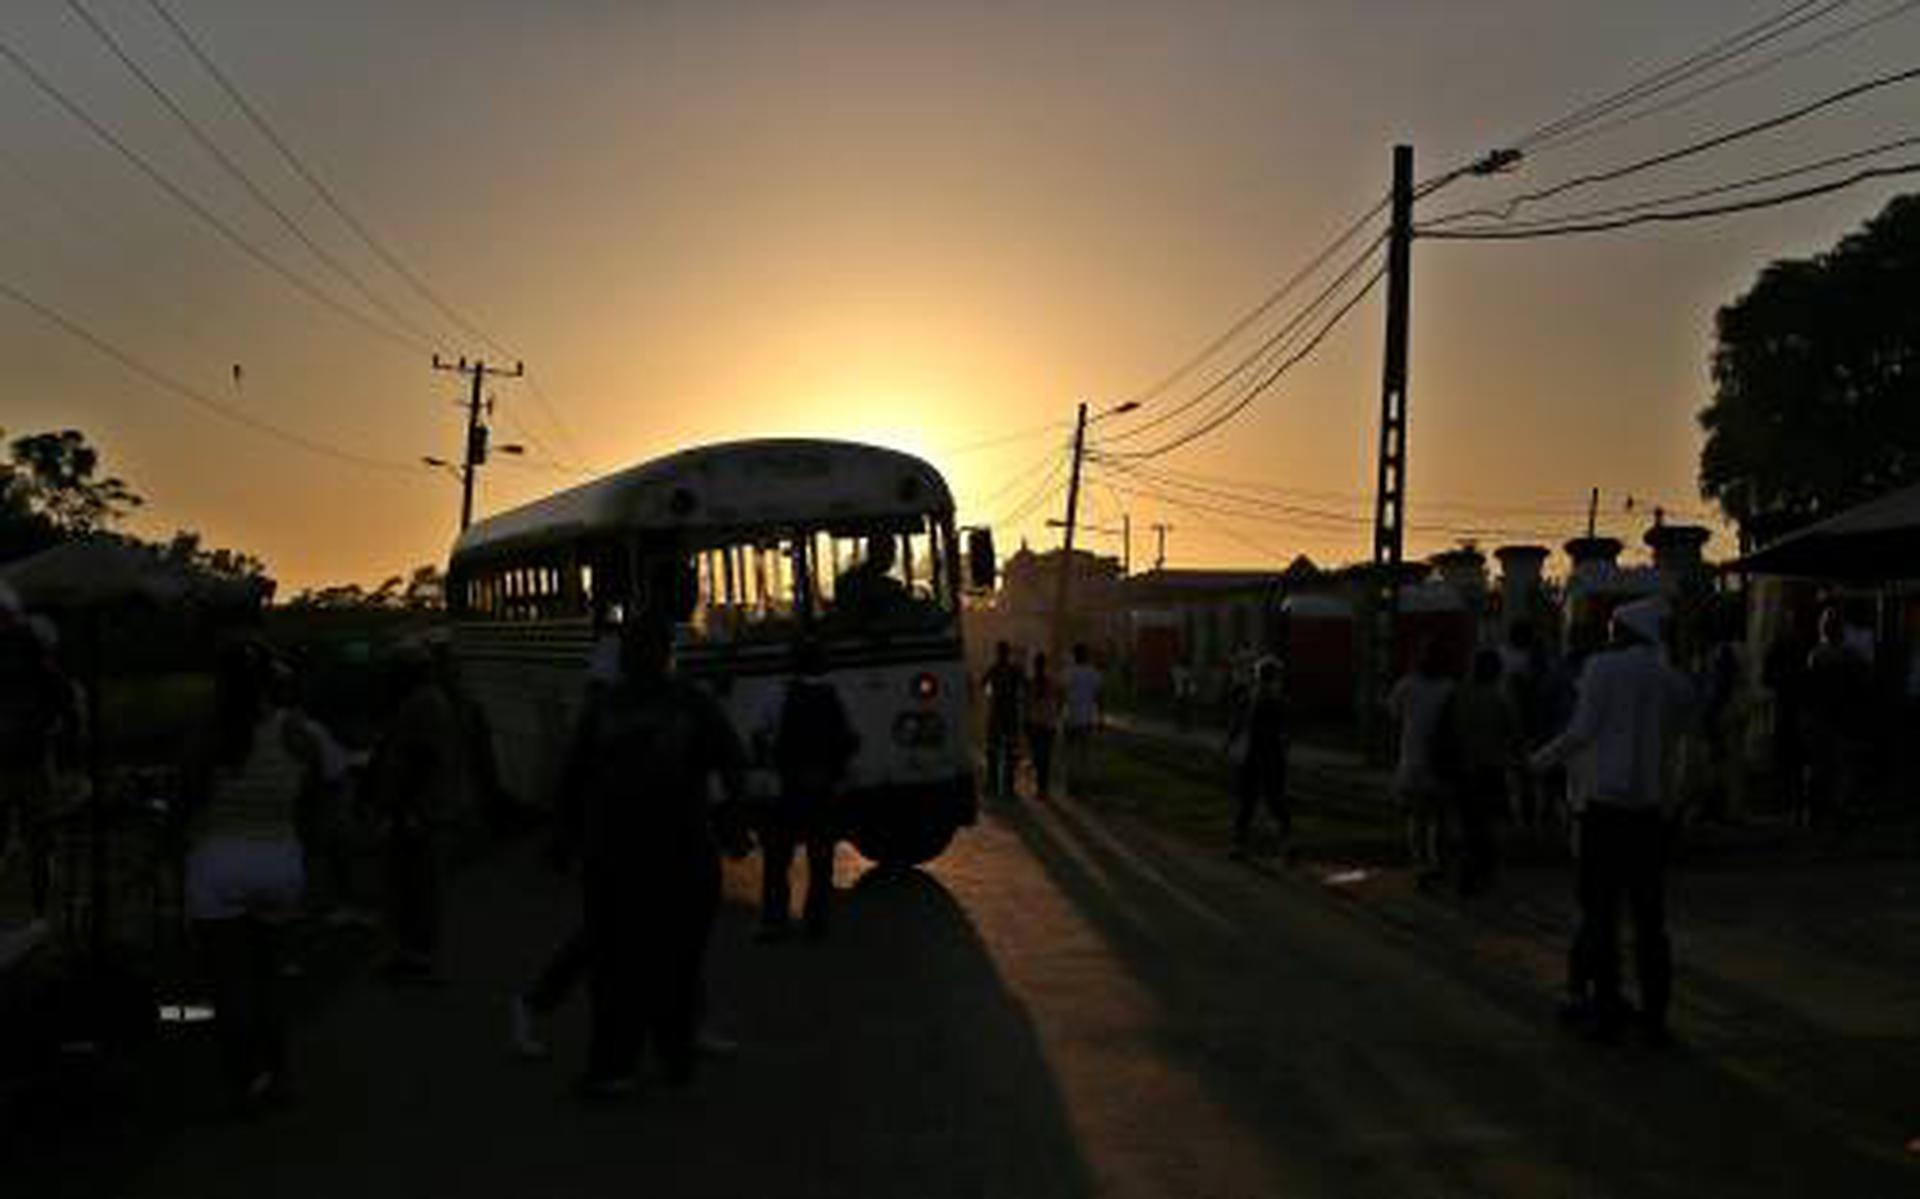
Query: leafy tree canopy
x: 1816, y: 374
x: 53, y: 475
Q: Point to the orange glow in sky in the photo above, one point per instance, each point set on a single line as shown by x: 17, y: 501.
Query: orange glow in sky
x: 936, y: 227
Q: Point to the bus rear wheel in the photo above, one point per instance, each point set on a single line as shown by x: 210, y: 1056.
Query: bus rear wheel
x: 902, y: 844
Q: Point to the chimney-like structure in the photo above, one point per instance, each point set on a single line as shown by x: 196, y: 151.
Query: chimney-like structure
x: 1465, y: 570
x: 1521, y: 567
x: 1676, y: 553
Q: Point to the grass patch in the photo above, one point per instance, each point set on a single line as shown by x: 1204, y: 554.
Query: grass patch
x: 1188, y: 793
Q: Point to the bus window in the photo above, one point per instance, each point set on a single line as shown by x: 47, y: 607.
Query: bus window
x: 747, y: 591
x: 895, y: 576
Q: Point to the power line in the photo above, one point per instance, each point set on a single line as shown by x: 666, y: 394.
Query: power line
x: 1783, y: 22
x: 1239, y: 405
x: 189, y: 392
x: 239, y: 174
x: 1048, y: 487
x: 361, y: 229
x: 1260, y: 352
x: 1259, y: 310
x: 1715, y: 190
x: 1506, y: 210
x: 1007, y: 438
x: 1563, y: 229
x: 1572, y: 137
x: 186, y: 200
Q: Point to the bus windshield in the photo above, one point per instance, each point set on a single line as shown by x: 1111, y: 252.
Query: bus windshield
x: 843, y: 578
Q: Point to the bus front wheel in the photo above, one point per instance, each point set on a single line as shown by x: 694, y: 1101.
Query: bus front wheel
x: 903, y: 844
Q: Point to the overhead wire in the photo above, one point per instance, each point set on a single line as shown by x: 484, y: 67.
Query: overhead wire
x: 1259, y: 352
x: 1240, y: 403
x: 194, y: 395
x: 1266, y: 305
x: 1717, y: 189
x: 206, y: 215
x: 1529, y: 231
x: 1506, y: 209
x: 1574, y: 137
x: 240, y: 175
x: 414, y: 279
x: 1794, y: 16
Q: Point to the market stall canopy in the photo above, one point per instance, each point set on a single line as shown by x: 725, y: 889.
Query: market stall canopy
x: 1874, y: 542
x: 96, y: 572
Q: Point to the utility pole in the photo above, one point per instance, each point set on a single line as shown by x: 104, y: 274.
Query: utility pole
x: 1126, y: 544
x: 1160, y: 532
x: 477, y: 373
x: 1390, y: 494
x: 1063, y: 588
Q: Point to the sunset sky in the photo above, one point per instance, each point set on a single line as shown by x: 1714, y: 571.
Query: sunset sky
x: 927, y: 225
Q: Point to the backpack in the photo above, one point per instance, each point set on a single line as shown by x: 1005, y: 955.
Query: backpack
x: 815, y: 740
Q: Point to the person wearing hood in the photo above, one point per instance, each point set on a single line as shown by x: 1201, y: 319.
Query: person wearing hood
x: 1631, y: 710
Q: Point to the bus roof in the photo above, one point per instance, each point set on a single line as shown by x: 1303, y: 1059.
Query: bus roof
x: 726, y: 485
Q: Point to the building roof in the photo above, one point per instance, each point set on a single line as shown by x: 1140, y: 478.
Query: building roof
x: 1878, y: 541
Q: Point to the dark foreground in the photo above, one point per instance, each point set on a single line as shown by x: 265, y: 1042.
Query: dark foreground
x: 1062, y: 1006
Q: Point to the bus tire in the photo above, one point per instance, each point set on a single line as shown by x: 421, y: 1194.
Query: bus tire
x: 901, y: 845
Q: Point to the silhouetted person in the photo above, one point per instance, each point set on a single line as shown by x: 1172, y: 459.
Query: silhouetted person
x: 1261, y: 722
x: 1528, y: 682
x: 1839, y: 688
x: 244, y: 870
x: 418, y: 783
x: 1044, y: 703
x: 1006, y: 690
x: 35, y: 704
x: 635, y: 797
x: 1084, y: 713
x: 811, y: 748
x: 1784, y: 673
x: 867, y: 591
x: 1420, y: 703
x: 1490, y: 744
x: 1630, y: 711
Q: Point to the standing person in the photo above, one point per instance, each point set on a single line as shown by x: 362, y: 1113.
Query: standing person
x: 1490, y: 744
x: 35, y: 704
x: 1182, y: 680
x: 1006, y: 694
x: 1527, y: 680
x: 245, y: 875
x: 1261, y: 723
x: 1083, y: 714
x: 1629, y: 713
x: 1784, y: 674
x: 418, y: 771
x: 1420, y: 704
x: 1838, y: 685
x: 811, y: 749
x: 1043, y: 722
x: 319, y: 811
x: 634, y: 797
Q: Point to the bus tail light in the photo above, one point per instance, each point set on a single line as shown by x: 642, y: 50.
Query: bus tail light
x: 925, y: 685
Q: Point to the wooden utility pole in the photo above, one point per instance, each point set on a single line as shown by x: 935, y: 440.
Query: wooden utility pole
x: 1160, y: 532
x: 1063, y: 588
x: 1390, y: 495
x: 477, y: 372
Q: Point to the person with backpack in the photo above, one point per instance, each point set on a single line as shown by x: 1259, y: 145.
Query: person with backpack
x: 812, y: 745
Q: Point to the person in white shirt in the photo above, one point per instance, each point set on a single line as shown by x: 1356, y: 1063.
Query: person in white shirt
x: 1082, y: 686
x: 1631, y: 710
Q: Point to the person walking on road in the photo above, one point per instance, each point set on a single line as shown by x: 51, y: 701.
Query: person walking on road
x: 244, y: 872
x: 418, y: 770
x: 1631, y: 709
x: 1839, y: 685
x: 1260, y: 727
x: 1043, y: 724
x: 635, y: 800
x: 811, y: 749
x: 1006, y: 690
x: 1083, y: 714
x: 1490, y: 744
x: 1421, y: 706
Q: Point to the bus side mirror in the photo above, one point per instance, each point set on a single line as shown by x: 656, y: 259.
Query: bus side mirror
x: 983, y: 569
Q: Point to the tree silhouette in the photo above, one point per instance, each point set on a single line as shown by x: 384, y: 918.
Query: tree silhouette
x: 1816, y: 374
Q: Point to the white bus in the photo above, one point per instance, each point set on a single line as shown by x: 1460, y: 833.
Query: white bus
x: 767, y: 542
